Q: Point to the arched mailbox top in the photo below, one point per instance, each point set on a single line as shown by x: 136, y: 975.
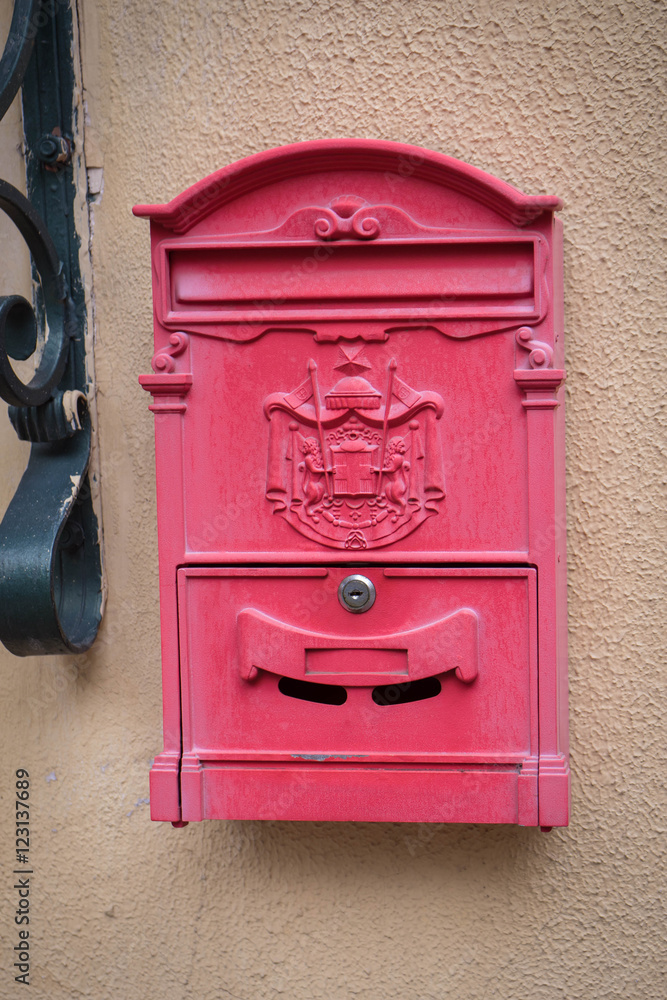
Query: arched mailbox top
x: 301, y: 159
x: 324, y: 234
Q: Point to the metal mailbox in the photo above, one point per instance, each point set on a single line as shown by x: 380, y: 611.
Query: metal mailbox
x: 358, y: 387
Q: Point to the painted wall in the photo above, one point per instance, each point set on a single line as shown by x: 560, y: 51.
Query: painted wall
x: 560, y: 97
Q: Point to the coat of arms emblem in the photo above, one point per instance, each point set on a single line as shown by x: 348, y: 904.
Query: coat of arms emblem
x: 361, y: 471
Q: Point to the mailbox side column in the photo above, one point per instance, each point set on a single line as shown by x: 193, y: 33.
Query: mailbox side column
x: 543, y: 394
x: 169, y: 387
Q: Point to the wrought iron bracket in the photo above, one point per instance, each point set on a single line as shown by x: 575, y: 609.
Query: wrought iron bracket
x: 50, y: 562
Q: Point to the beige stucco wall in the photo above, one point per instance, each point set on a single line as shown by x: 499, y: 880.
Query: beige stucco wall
x: 559, y: 97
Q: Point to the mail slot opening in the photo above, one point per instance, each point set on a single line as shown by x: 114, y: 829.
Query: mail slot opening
x: 321, y: 694
x: 402, y: 694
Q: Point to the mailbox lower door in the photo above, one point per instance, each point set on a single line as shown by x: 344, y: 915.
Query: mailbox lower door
x: 423, y: 708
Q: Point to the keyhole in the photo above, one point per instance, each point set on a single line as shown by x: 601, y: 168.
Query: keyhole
x: 356, y: 594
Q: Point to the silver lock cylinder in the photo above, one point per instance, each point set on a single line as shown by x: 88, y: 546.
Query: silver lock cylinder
x: 356, y: 594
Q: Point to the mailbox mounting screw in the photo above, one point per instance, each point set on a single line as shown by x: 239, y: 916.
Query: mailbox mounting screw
x: 54, y: 150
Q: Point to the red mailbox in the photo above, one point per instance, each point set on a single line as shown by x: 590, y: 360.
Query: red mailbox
x: 358, y: 396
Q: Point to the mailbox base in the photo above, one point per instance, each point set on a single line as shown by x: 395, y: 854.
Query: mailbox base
x: 360, y: 793
x: 164, y: 788
x: 330, y: 792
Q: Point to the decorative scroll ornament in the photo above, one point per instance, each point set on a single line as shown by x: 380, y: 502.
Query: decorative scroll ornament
x: 541, y: 354
x: 18, y: 326
x: 168, y: 386
x: 361, y: 471
x: 540, y: 382
x: 347, y: 218
x: 18, y: 48
x: 163, y: 360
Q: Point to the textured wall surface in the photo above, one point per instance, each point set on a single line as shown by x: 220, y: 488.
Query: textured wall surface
x: 559, y: 97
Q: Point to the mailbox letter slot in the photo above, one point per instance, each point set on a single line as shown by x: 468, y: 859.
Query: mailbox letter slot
x: 449, y: 644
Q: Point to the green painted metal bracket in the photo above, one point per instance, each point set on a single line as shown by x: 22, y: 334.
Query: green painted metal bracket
x: 50, y: 564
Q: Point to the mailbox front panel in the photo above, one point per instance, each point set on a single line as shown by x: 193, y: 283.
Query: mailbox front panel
x: 444, y: 489
x: 358, y: 369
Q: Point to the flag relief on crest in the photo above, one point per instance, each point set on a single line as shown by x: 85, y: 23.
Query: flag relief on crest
x: 355, y: 468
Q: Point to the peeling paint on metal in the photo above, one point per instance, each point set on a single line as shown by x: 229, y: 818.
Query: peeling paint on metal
x: 329, y: 756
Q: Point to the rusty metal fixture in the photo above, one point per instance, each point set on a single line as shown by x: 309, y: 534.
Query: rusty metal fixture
x: 54, y: 150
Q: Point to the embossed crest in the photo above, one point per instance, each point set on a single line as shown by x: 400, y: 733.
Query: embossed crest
x: 361, y: 471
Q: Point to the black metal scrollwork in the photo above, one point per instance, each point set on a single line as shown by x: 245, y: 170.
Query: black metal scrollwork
x: 18, y: 327
x: 50, y: 569
x: 18, y: 50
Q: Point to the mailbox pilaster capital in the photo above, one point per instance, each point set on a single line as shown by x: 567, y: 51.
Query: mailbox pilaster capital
x: 540, y: 386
